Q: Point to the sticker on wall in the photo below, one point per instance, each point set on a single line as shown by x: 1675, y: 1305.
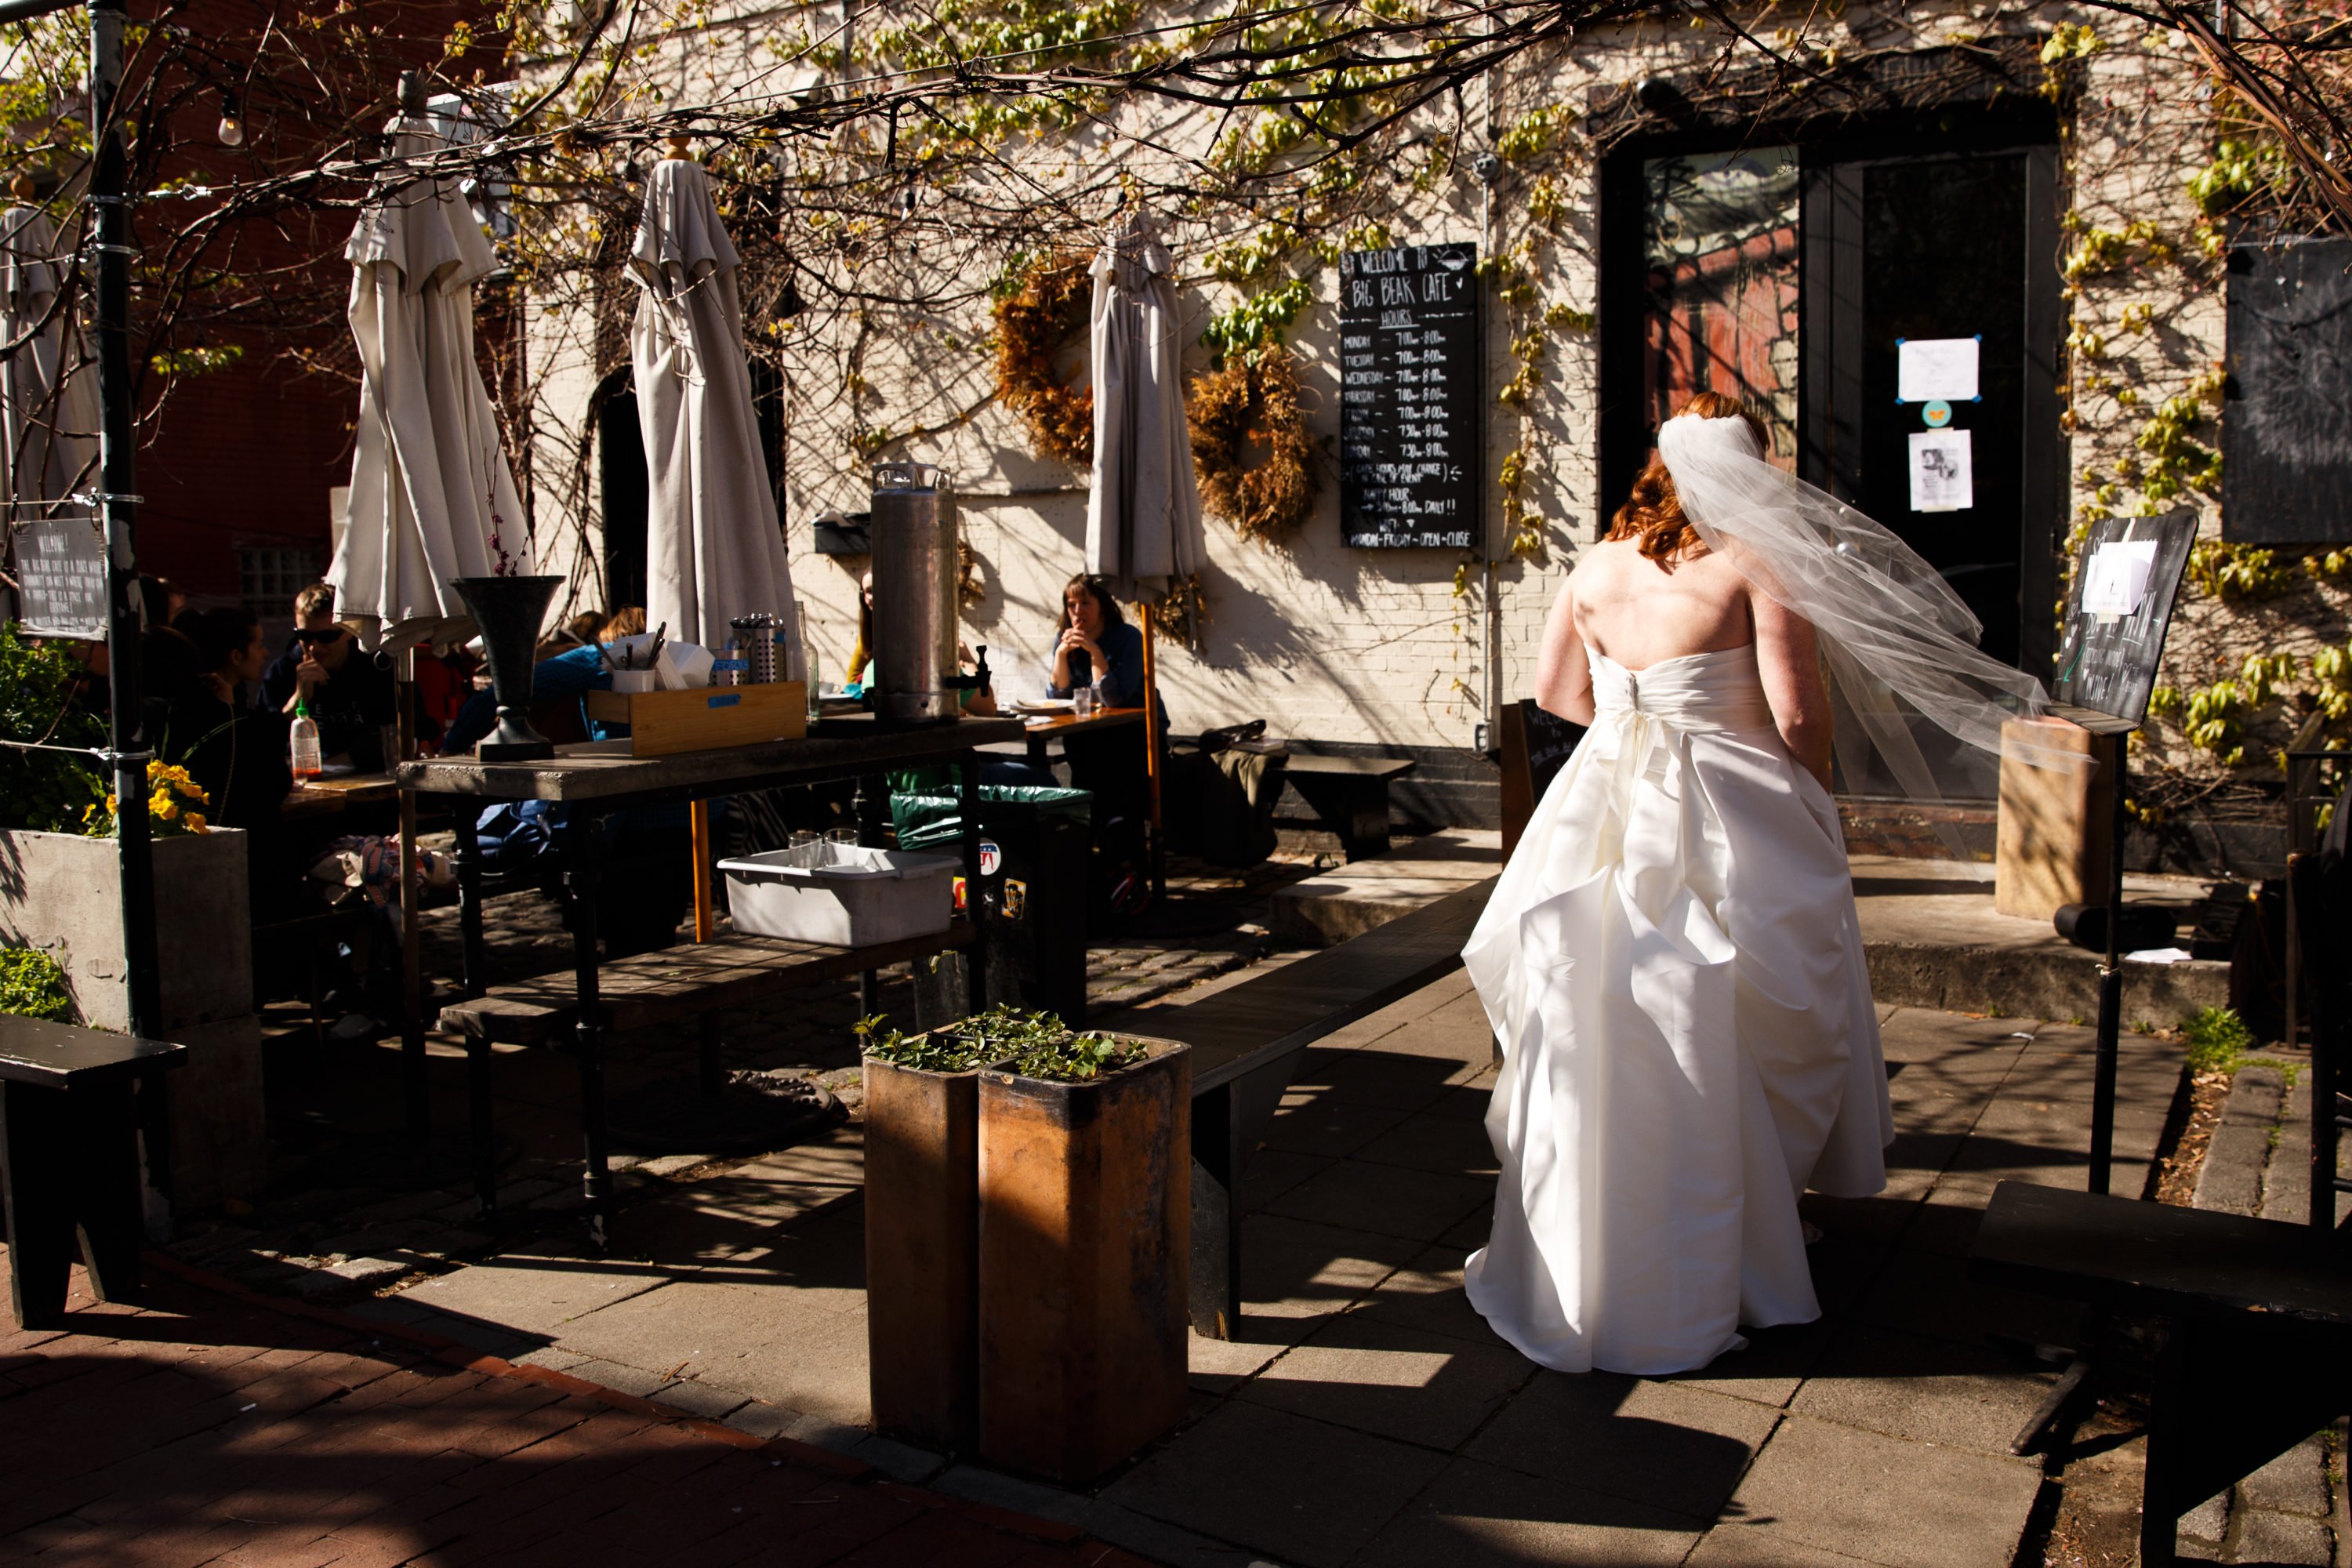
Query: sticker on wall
x: 1936, y: 414
x: 1941, y: 477
x: 1930, y: 369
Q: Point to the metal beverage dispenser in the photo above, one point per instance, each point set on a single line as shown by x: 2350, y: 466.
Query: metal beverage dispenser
x: 915, y: 576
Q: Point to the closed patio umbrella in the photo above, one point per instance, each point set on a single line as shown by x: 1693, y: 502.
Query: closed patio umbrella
x: 432, y: 498
x: 1143, y: 514
x: 49, y: 408
x: 713, y: 551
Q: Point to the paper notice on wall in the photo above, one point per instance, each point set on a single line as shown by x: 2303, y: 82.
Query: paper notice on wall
x: 1930, y: 369
x: 2115, y: 581
x: 1941, y: 478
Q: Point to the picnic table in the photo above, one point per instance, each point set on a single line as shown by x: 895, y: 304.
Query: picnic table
x: 1043, y: 728
x: 342, y: 792
x: 597, y: 778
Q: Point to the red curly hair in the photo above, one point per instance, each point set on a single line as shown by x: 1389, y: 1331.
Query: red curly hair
x: 1653, y: 513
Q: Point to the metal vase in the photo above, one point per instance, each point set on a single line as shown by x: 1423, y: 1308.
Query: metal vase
x: 508, y: 611
x: 915, y: 576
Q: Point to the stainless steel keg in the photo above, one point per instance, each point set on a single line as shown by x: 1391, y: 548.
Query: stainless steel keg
x: 915, y: 576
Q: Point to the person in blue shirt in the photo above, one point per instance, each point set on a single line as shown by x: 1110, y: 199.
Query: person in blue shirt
x: 646, y: 885
x: 1095, y: 646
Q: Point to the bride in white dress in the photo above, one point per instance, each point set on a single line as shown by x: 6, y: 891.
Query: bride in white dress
x: 1671, y: 960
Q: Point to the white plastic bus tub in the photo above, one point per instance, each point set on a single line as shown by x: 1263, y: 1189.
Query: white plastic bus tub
x: 841, y: 895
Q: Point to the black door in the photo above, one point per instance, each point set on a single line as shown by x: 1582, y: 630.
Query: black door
x: 1944, y: 247
x: 1949, y: 247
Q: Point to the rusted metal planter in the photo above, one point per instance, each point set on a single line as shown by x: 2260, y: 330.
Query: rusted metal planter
x: 1085, y: 1220
x: 922, y: 1253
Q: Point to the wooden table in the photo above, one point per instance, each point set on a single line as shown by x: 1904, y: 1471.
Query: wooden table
x: 333, y: 797
x: 599, y: 777
x: 1041, y: 731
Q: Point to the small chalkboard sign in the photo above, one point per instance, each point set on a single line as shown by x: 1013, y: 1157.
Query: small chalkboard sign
x: 2286, y: 448
x: 1536, y: 745
x: 1411, y: 389
x: 2116, y: 613
x: 61, y: 588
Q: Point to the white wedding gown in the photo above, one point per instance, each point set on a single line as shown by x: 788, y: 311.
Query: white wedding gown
x: 1673, y: 965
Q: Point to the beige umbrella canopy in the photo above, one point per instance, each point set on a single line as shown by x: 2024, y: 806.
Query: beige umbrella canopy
x: 433, y: 499
x: 1143, y: 514
x: 48, y: 405
x: 713, y: 551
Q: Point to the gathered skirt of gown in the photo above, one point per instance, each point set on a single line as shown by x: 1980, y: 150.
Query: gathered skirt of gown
x: 1672, y: 966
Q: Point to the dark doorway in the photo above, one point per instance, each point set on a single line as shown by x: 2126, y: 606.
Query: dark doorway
x: 1784, y: 273
x: 1945, y: 248
x: 622, y: 494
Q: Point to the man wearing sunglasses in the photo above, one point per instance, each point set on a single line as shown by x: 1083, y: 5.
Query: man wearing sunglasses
x: 323, y: 669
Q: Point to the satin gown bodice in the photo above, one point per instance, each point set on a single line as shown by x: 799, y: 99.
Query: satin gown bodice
x: 1673, y: 967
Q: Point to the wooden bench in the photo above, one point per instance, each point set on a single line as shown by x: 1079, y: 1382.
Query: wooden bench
x: 1247, y: 1043
x: 73, y: 1105
x: 2253, y: 1320
x: 1349, y: 796
x: 693, y: 980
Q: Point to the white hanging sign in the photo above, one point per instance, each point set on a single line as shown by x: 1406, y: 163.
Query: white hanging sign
x: 1930, y: 370
x: 1941, y: 471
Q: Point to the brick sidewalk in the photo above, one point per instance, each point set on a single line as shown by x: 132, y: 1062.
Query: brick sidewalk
x: 213, y: 1426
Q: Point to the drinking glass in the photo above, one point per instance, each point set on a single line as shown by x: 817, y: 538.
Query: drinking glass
x: 1082, y: 703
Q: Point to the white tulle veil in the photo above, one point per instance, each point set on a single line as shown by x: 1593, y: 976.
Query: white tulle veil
x: 1894, y: 637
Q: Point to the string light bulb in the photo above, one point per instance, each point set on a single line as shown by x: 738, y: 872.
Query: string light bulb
x: 232, y: 123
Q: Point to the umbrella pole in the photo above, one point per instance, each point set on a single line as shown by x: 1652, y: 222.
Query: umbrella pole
x: 1151, y: 755
x: 412, y: 961
x: 698, y: 816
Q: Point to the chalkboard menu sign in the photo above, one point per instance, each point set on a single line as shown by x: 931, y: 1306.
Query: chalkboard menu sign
x: 1411, y: 389
x: 2118, y: 610
x: 2286, y: 448
x: 62, y: 578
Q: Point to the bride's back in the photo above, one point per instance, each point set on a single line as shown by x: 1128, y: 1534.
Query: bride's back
x: 1638, y: 613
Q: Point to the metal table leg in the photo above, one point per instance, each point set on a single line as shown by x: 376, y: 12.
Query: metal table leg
x: 473, y: 951
x: 596, y: 1179
x: 414, y: 1083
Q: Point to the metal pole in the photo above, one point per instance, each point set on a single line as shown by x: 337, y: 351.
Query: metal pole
x: 2111, y: 984
x: 126, y: 736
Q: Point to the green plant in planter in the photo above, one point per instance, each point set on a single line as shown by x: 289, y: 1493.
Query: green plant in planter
x: 1009, y: 1031
x: 922, y: 1053
x: 1077, y: 1058
x: 45, y: 791
x: 33, y: 987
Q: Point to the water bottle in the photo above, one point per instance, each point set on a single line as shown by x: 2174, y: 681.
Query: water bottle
x: 303, y: 744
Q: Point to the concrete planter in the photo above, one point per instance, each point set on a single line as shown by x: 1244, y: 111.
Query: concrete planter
x: 1084, y: 1222
x: 922, y: 1253
x: 61, y: 893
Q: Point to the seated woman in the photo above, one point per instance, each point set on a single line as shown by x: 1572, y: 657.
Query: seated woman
x: 1096, y: 646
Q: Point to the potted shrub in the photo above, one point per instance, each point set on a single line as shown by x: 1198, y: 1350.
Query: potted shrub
x: 922, y: 1232
x: 60, y: 895
x: 1085, y: 1222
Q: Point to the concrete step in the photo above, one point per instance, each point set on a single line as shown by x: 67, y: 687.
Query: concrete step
x: 1928, y: 928
x: 1933, y: 939
x: 1348, y: 901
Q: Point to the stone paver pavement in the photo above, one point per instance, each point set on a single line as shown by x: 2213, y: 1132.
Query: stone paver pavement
x: 1365, y: 1416
x: 210, y: 1426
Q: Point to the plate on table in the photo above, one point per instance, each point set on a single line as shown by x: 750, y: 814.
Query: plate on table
x: 1045, y: 705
